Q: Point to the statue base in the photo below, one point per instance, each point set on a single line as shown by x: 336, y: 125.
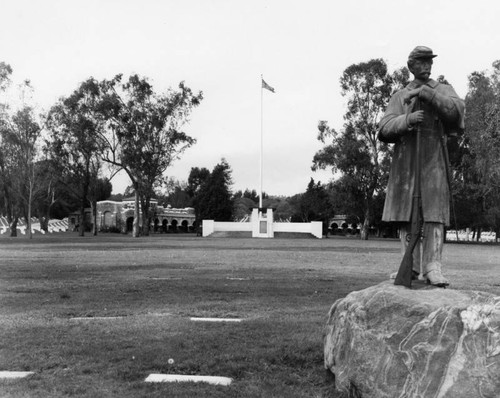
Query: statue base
x: 390, y: 341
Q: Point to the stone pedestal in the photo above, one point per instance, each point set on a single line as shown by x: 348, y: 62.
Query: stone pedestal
x: 390, y: 341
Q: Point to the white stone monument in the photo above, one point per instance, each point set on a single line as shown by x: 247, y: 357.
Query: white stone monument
x: 262, y: 223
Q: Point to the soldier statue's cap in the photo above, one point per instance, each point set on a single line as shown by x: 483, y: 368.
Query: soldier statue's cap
x: 421, y: 52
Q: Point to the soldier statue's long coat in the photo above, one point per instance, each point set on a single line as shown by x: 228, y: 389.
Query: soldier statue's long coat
x: 444, y: 116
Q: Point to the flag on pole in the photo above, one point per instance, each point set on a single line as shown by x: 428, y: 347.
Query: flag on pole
x: 267, y: 86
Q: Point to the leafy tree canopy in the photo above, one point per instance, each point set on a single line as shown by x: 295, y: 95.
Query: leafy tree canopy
x: 213, y: 200
x: 355, y: 151
x: 477, y: 169
x: 143, y: 134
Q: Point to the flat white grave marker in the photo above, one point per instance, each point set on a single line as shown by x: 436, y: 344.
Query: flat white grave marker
x: 166, y: 278
x: 158, y: 314
x: 168, y: 378
x: 96, y: 318
x: 215, y: 319
x: 14, y: 375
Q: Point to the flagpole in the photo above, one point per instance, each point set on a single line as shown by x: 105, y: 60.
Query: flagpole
x: 261, y: 138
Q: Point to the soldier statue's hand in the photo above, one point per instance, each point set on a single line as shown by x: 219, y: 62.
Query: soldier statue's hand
x: 410, y: 94
x: 415, y: 117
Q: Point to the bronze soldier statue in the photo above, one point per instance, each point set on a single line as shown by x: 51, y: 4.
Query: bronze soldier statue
x: 436, y: 111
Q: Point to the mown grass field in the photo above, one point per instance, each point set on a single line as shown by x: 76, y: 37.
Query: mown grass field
x: 282, y: 288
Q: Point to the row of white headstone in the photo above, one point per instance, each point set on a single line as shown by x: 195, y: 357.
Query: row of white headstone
x: 53, y: 226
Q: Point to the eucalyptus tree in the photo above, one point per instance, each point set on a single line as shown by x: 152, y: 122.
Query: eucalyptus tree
x: 74, y: 143
x: 20, y: 137
x: 143, y: 133
x: 49, y: 193
x: 11, y: 204
x: 25, y: 134
x: 20, y: 133
x: 7, y: 202
x: 355, y: 151
x: 478, y: 170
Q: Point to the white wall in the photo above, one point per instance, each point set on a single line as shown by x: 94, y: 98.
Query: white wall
x: 315, y: 228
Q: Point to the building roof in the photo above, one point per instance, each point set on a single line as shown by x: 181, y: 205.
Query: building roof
x: 132, y: 199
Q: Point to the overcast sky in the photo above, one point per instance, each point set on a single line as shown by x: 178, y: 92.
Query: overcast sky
x: 222, y: 47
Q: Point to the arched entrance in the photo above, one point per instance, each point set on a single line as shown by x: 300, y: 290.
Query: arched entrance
x: 334, y: 228
x: 184, y: 226
x: 173, y: 226
x: 354, y: 227
x: 130, y: 224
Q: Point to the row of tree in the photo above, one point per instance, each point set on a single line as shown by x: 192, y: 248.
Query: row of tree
x: 120, y: 123
x: 362, y: 162
x: 48, y: 162
x: 126, y: 126
x: 477, y: 158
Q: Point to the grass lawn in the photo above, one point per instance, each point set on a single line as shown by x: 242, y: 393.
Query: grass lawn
x: 150, y: 287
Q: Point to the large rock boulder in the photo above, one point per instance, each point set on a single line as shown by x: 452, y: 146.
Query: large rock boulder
x: 390, y: 341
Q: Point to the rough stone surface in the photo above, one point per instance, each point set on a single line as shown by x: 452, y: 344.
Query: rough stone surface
x: 390, y: 341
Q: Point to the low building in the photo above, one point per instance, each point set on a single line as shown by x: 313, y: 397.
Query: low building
x: 116, y: 216
x: 339, y: 223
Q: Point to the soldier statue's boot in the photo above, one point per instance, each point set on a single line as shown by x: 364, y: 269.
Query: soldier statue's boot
x: 432, y: 252
x: 414, y: 275
x: 434, y: 276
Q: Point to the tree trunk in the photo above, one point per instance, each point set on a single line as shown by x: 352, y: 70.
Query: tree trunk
x: 13, y: 227
x: 81, y: 227
x: 95, y: 218
x: 44, y: 223
x: 146, y: 220
x: 85, y: 193
x: 145, y: 224
x: 93, y: 206
x: 135, y: 229
x: 28, y: 224
x: 30, y: 234
x: 365, y: 229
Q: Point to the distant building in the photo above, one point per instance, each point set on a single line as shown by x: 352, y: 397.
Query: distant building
x: 119, y: 217
x: 339, y: 225
x: 339, y: 222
